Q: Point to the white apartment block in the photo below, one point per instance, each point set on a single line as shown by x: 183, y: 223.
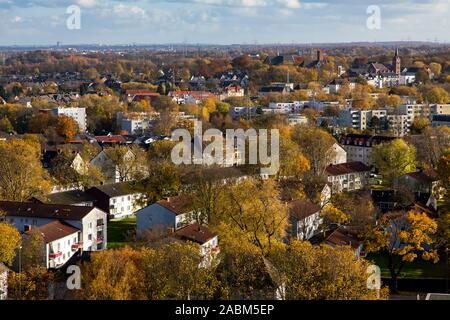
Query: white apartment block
x: 78, y: 114
x: 91, y: 221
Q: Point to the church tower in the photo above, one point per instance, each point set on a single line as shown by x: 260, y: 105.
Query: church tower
x: 396, y: 63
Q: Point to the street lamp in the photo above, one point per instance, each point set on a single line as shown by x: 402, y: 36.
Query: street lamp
x: 20, y: 272
x: 446, y: 268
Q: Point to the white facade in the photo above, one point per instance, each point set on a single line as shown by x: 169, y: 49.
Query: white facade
x: 93, y: 227
x: 340, y: 155
x: 58, y: 252
x: 78, y: 114
x: 125, y: 205
x: 307, y: 227
x: 156, y: 216
x: 348, y: 182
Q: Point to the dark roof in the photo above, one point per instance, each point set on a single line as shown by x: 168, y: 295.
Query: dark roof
x: 178, y: 204
x: 423, y: 177
x: 41, y: 210
x: 302, y: 208
x: 345, y: 168
x: 56, y: 230
x: 195, y: 233
x: 69, y: 197
x: 364, y: 140
x: 272, y: 89
x: 115, y: 189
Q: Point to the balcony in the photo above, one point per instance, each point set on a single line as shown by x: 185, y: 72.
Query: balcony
x: 99, y: 240
x: 77, y: 246
x: 54, y: 255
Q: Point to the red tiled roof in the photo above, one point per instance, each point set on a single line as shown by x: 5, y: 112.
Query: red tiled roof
x: 195, y: 233
x: 55, y: 230
x: 112, y: 138
x: 345, y: 168
x: 178, y: 204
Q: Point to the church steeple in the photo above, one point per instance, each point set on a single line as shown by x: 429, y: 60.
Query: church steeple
x: 396, y: 63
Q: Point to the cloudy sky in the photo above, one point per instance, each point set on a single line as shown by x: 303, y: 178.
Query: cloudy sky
x: 35, y: 22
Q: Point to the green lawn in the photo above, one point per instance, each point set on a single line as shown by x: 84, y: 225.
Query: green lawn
x: 417, y: 269
x: 118, y: 229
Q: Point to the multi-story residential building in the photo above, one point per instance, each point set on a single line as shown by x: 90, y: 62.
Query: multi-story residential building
x: 78, y: 114
x: 440, y: 109
x: 90, y: 221
x: 348, y: 176
x: 117, y: 199
x: 362, y: 119
x: 359, y: 146
x: 61, y: 242
x: 400, y: 124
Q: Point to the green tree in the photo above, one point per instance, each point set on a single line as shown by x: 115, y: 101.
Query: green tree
x: 394, y: 159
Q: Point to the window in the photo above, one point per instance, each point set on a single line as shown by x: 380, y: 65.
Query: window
x: 89, y: 236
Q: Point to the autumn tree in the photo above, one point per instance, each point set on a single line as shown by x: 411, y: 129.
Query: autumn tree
x: 254, y: 208
x: 315, y: 144
x: 127, y: 162
x: 21, y: 172
x: 403, y: 237
x: 327, y: 273
x: 9, y: 242
x: 66, y: 127
x: 33, y: 250
x: 394, y: 159
x: 241, y: 271
x: 32, y: 284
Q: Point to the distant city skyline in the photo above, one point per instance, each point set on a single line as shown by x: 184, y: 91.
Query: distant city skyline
x: 111, y: 22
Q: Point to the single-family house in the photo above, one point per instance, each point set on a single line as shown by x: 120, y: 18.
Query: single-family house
x: 305, y: 218
x: 208, y: 240
x: 171, y: 213
x: 419, y: 181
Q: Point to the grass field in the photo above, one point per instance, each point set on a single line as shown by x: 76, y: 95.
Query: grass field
x: 417, y: 269
x: 118, y: 229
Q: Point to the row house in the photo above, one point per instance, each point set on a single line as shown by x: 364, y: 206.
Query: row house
x: 350, y: 176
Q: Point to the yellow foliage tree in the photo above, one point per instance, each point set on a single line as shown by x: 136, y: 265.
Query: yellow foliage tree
x: 403, y: 237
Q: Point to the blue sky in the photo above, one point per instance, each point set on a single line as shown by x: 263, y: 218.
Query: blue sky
x: 29, y: 22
